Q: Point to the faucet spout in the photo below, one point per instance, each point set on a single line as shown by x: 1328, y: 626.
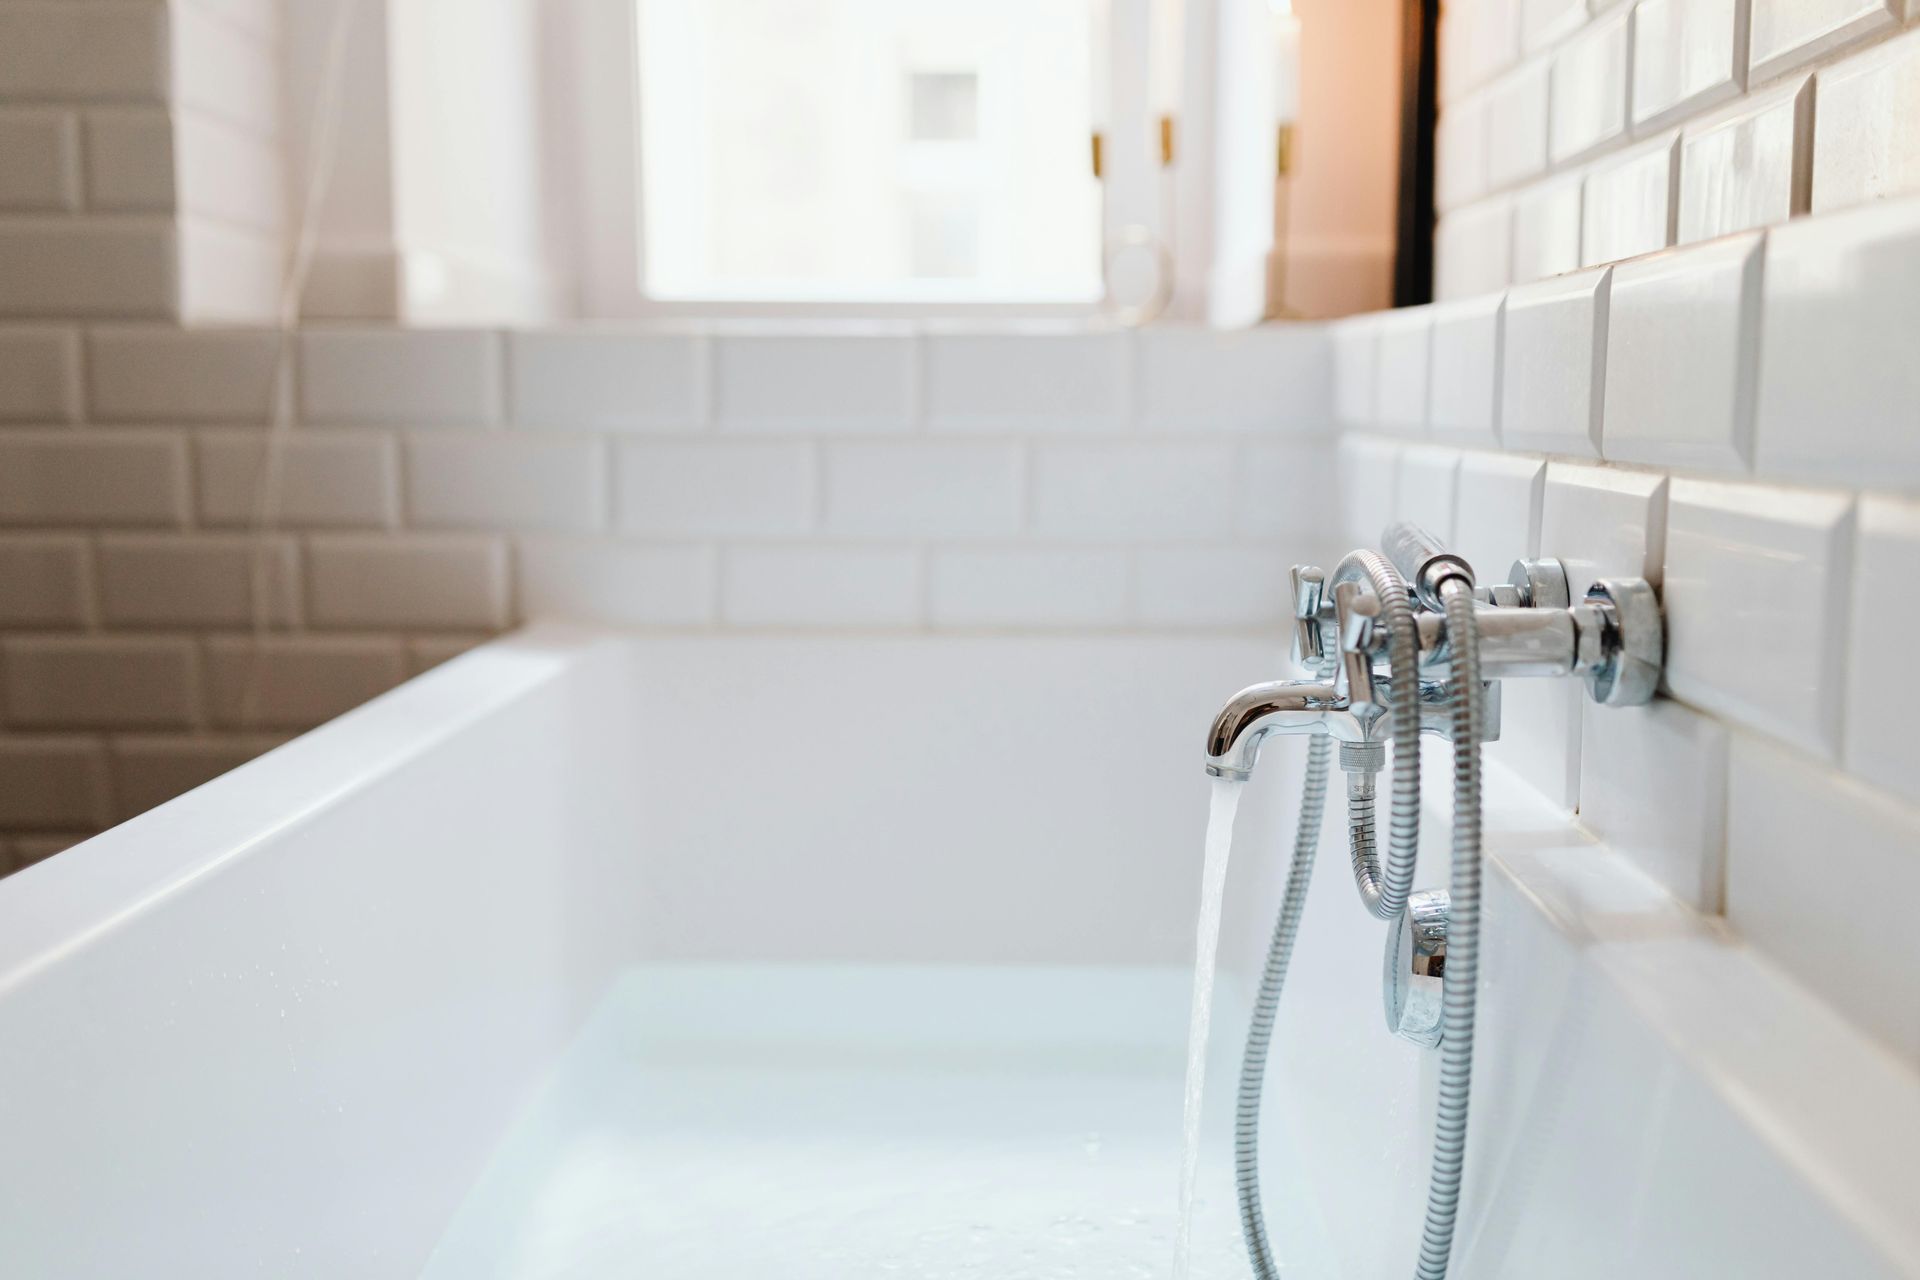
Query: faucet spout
x: 1277, y: 706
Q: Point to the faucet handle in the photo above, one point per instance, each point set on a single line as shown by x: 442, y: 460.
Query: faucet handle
x: 1309, y: 596
x: 1356, y: 611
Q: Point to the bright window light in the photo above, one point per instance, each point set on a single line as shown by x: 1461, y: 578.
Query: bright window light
x: 867, y: 150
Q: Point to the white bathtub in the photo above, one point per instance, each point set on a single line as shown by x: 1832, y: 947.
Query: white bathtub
x: 837, y: 957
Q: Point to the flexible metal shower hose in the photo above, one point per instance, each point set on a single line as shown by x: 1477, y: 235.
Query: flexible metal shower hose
x: 1385, y: 895
x: 1458, y: 1001
x: 1253, y: 1065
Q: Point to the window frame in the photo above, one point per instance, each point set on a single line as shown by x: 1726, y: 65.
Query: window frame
x: 602, y: 122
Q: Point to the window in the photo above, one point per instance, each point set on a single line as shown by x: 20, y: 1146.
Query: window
x: 864, y: 151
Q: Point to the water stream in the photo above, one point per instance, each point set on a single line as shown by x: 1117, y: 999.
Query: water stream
x: 1224, y: 804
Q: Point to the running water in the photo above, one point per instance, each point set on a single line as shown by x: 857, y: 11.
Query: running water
x: 1213, y: 892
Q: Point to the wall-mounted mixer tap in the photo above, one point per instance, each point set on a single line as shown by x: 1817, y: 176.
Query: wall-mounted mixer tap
x: 1613, y: 640
x: 1397, y: 645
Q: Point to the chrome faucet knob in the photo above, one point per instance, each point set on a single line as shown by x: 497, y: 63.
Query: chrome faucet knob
x: 1356, y: 613
x: 1539, y: 584
x: 1309, y: 597
x: 1634, y: 639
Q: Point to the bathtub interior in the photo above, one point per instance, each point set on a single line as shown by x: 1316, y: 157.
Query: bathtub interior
x: 589, y: 950
x: 327, y: 997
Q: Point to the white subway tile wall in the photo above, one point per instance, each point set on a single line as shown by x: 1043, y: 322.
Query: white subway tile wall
x: 1564, y: 167
x: 437, y: 486
x: 1734, y: 419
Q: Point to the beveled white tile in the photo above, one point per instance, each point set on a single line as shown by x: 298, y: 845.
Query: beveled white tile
x: 1883, y: 690
x: 228, y: 274
x: 1544, y: 21
x: 156, y: 373
x: 49, y: 782
x: 69, y: 265
x: 1517, y: 125
x: 1553, y: 364
x: 1356, y: 356
x: 714, y: 487
x: 52, y: 52
x: 1029, y: 380
x: 1463, y: 381
x: 150, y: 769
x: 1540, y: 737
x: 1653, y: 786
x: 1546, y: 228
x: 39, y: 159
x: 219, y: 70
x: 324, y: 479
x: 1589, y: 97
x: 1838, y: 378
x: 296, y: 682
x: 1473, y: 250
x: 1132, y: 492
x: 1271, y: 377
x: 820, y: 586
x: 1628, y: 203
x: 852, y: 381
x: 1211, y: 587
x: 1281, y: 490
x: 924, y: 488
x: 1029, y: 587
x: 39, y: 374
x: 224, y: 172
x: 1748, y: 562
x: 400, y: 377
x: 430, y: 582
x: 101, y: 682
x: 1820, y: 874
x: 130, y: 159
x: 1479, y: 40
x: 1687, y: 55
x: 1791, y: 33
x: 1683, y: 331
x: 44, y: 580
x: 1603, y: 522
x: 1497, y: 511
x: 1400, y: 397
x: 594, y: 379
x: 602, y: 581
x: 1369, y: 473
x: 1748, y: 166
x: 1863, y: 136
x: 506, y: 481
x: 1460, y: 152
x: 93, y: 478
x: 1424, y: 490
x: 201, y: 580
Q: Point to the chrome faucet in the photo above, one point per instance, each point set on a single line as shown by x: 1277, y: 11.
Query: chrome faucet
x: 1411, y: 627
x: 1613, y: 639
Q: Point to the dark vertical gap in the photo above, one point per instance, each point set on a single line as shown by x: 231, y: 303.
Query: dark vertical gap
x: 1419, y: 107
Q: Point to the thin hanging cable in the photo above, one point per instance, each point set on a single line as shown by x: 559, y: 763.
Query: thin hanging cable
x: 1459, y: 1001
x: 322, y: 153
